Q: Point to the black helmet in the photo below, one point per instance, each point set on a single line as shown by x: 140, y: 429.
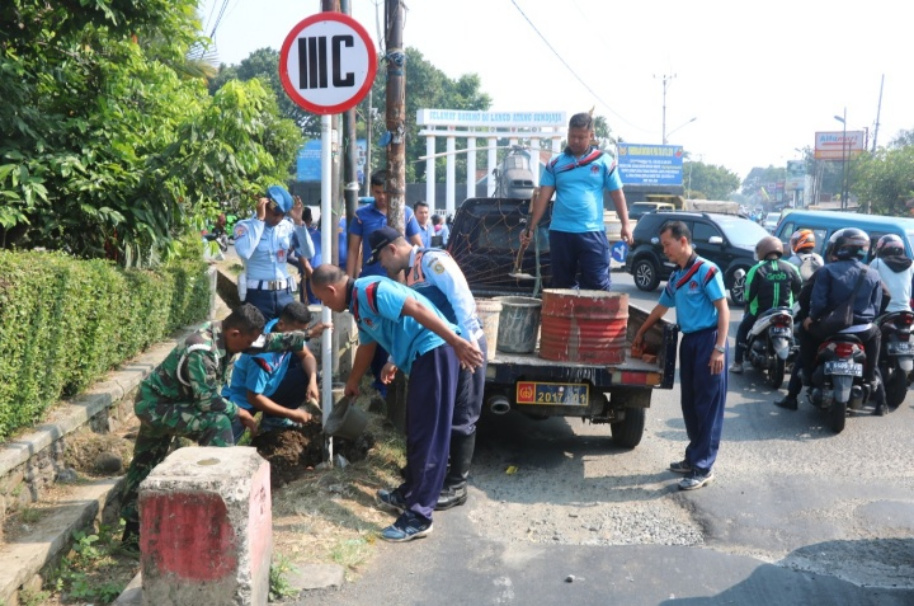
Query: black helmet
x: 848, y: 243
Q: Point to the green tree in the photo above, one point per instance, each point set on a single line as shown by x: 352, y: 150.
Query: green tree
x: 426, y: 87
x: 106, y: 142
x: 264, y: 64
x: 708, y: 181
x: 885, y: 180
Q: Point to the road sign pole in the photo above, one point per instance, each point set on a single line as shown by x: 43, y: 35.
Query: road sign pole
x: 327, y: 232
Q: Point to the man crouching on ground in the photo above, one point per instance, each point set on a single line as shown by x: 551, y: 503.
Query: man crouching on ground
x: 425, y: 346
x: 182, y: 397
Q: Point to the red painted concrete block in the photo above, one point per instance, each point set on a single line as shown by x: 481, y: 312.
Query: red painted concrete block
x: 206, y: 529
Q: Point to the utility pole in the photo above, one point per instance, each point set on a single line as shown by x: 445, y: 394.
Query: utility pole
x: 666, y: 79
x: 396, y: 107
x: 351, y: 165
x: 878, y: 115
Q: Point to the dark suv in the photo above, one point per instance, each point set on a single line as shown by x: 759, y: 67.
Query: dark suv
x: 727, y: 240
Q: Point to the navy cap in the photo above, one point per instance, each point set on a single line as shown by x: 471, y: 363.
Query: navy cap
x: 281, y: 196
x: 380, y: 238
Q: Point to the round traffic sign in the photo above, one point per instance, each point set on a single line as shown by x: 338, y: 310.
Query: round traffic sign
x: 327, y: 63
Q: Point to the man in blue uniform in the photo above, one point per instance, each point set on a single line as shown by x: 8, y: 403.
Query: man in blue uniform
x: 577, y: 236
x: 369, y: 218
x: 696, y: 290
x: 425, y: 346
x: 436, y: 275
x: 276, y: 383
x: 263, y: 242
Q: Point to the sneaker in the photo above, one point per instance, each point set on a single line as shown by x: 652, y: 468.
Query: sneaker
x: 682, y: 467
x: 736, y: 368
x: 788, y: 402
x: 451, y: 497
x: 408, y: 526
x: 391, y: 500
x: 696, y: 480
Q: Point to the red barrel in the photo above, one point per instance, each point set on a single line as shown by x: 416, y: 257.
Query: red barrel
x: 587, y: 326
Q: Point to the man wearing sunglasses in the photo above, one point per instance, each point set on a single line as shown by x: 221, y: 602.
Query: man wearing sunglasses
x: 263, y: 243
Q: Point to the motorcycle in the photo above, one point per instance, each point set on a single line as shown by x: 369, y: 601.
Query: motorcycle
x: 837, y: 384
x: 770, y: 343
x: 896, y: 355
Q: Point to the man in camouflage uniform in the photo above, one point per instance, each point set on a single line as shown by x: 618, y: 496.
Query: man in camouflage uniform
x: 183, y: 396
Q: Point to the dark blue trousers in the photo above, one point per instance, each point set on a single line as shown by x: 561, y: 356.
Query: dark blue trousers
x: 269, y: 302
x: 468, y: 401
x: 429, y: 410
x: 290, y: 394
x: 704, y: 397
x: 585, y: 253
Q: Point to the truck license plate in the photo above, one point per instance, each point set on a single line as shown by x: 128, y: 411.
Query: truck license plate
x: 553, y: 394
x: 848, y: 369
x: 900, y: 348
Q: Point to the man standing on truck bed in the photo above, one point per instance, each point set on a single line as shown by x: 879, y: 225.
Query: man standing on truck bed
x: 577, y: 236
x: 696, y: 290
x: 436, y: 275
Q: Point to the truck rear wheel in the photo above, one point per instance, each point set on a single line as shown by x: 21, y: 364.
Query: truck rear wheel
x: 627, y: 432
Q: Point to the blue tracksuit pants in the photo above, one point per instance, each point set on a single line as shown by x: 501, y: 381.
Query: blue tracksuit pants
x: 429, y: 410
x: 704, y: 397
x: 579, y: 255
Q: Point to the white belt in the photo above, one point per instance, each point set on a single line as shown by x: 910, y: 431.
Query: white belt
x: 269, y: 284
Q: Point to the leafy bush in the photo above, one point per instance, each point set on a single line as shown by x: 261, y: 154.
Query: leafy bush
x: 64, y: 322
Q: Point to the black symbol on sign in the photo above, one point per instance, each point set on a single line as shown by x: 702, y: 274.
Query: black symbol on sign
x: 312, y: 61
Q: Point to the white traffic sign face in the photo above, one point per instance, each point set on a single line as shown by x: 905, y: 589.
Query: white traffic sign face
x: 327, y: 63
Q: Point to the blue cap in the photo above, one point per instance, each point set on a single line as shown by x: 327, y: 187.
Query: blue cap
x: 281, y: 196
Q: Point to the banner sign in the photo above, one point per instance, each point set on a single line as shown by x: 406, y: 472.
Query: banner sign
x: 641, y: 164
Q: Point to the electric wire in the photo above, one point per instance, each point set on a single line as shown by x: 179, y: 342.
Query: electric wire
x: 570, y: 69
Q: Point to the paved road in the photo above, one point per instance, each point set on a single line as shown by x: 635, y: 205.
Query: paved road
x: 797, y: 515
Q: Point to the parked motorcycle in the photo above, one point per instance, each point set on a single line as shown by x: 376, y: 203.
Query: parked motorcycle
x: 837, y: 384
x: 896, y: 356
x: 770, y: 343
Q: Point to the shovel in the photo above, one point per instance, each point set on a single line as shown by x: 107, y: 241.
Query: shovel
x: 517, y: 274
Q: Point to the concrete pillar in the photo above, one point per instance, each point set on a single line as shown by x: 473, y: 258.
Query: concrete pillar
x: 492, y: 164
x: 451, y: 174
x: 430, y: 171
x: 556, y: 146
x: 206, y: 533
x: 535, y: 159
x: 471, y: 167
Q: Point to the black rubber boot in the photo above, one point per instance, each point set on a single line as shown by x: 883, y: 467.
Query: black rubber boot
x: 130, y: 541
x: 454, y: 492
x: 788, y: 402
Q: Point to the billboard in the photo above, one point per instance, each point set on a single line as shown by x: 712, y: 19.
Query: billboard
x: 833, y: 145
x: 308, y: 161
x: 643, y: 164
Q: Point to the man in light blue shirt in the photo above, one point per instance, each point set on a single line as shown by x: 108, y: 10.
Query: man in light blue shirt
x: 577, y: 237
x: 696, y: 290
x: 263, y: 242
x: 276, y: 383
x: 425, y: 346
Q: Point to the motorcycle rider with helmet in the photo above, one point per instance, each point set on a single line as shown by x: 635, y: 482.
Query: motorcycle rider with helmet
x: 770, y: 283
x: 896, y: 271
x: 835, y: 283
x: 805, y: 257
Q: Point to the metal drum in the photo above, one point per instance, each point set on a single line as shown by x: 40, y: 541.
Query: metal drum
x: 587, y: 326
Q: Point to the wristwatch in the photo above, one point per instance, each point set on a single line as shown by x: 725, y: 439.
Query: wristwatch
x: 720, y: 349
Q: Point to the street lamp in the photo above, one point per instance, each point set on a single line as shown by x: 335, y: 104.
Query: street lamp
x: 843, y: 121
x: 684, y: 124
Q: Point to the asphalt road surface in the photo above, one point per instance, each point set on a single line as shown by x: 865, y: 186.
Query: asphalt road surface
x: 797, y: 515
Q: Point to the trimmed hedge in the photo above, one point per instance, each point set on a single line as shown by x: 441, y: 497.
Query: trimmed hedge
x: 65, y: 322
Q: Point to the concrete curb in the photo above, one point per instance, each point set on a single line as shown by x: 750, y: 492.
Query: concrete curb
x: 22, y: 561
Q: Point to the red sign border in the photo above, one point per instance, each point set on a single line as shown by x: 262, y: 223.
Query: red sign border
x: 287, y: 46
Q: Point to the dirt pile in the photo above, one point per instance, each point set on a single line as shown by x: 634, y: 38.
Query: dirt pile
x: 294, y: 451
